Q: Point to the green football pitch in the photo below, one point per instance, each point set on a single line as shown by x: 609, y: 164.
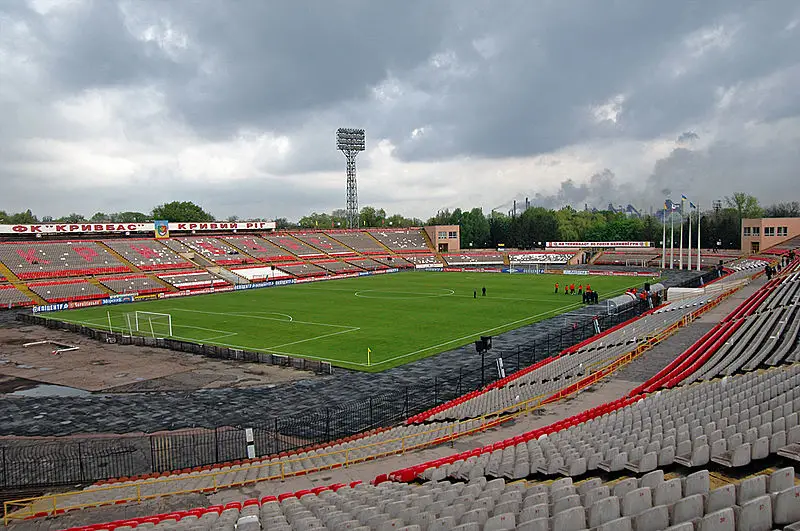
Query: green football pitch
x: 368, y: 323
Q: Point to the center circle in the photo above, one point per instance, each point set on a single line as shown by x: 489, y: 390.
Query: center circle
x: 395, y: 295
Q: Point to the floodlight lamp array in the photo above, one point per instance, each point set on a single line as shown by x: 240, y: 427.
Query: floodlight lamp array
x: 350, y: 139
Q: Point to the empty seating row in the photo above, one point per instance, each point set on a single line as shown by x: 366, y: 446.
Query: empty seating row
x: 148, y: 255
x: 303, y: 270
x: 192, y: 279
x: 540, y: 258
x: 359, y: 241
x: 652, y: 503
x: 368, y: 264
x: 394, y: 261
x: 551, y: 375
x: 473, y: 258
x: 626, y: 258
x: 387, y: 442
x: 141, y: 284
x: 259, y: 248
x: 67, y: 290
x: 216, y: 250
x: 324, y: 243
x: 293, y: 245
x: 402, y: 240
x: 336, y: 266
x: 423, y: 260
x: 51, y: 260
x: 11, y: 297
x: 768, y: 336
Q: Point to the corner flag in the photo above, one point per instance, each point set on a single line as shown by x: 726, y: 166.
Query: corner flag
x: 369, y: 351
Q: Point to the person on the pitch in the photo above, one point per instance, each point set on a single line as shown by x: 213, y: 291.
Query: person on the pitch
x: 580, y: 289
x: 483, y: 291
x: 572, y: 289
x: 556, y: 292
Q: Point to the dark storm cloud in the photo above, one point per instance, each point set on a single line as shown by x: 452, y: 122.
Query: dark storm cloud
x: 441, y: 80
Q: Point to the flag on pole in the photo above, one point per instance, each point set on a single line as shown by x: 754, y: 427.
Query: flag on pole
x: 683, y: 197
x: 369, y: 351
x: 692, y: 205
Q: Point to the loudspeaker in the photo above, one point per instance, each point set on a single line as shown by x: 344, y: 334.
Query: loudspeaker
x: 480, y: 346
x: 487, y: 340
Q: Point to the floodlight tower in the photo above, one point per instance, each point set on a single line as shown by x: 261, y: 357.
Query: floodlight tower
x: 351, y: 142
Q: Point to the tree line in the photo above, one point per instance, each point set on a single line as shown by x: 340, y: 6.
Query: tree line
x: 720, y: 227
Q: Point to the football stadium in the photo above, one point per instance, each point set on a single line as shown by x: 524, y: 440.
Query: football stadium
x: 544, y: 365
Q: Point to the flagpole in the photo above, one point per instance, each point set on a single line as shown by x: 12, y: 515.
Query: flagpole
x: 664, y: 238
x: 689, y: 244
x: 680, y: 249
x: 698, y: 237
x: 671, y: 236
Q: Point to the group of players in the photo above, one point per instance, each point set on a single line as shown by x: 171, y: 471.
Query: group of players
x: 569, y: 289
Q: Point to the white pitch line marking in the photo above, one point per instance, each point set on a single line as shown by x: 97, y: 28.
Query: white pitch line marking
x: 314, y: 338
x: 251, y: 316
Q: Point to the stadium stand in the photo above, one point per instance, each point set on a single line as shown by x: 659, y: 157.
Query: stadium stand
x: 260, y: 273
x: 324, y: 243
x: 394, y: 261
x: 147, y: 255
x: 259, y: 248
x: 216, y: 250
x: 730, y: 421
x: 303, y: 270
x: 188, y: 280
x: 11, y: 297
x: 651, y: 503
x: 336, y: 266
x: 547, y: 377
x: 402, y: 240
x: 140, y: 284
x: 423, y: 260
x: 30, y: 261
x: 539, y: 258
x: 67, y: 290
x: 176, y: 246
x: 473, y: 258
x: 294, y: 246
x: 361, y: 242
x: 627, y: 258
x: 368, y: 264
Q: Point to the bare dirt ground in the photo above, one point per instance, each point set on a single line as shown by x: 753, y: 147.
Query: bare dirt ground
x: 98, y: 367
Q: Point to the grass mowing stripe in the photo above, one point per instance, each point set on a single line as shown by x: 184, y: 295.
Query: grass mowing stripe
x: 397, y: 317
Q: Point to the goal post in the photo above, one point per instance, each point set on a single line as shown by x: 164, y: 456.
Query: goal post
x: 151, y: 324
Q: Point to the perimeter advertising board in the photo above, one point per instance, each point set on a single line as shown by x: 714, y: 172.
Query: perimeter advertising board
x: 121, y: 228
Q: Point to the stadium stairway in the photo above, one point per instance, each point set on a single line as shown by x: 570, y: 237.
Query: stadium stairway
x: 19, y: 284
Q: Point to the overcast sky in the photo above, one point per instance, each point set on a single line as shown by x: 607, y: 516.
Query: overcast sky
x: 113, y: 106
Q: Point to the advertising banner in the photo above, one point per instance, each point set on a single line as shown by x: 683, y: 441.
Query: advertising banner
x: 83, y: 228
x: 51, y: 307
x: 617, y: 245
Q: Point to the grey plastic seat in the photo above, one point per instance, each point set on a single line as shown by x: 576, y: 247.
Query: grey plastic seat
x: 653, y: 519
x: 722, y: 520
x: 755, y: 515
x: 688, y: 509
x: 620, y: 524
x: 604, y: 510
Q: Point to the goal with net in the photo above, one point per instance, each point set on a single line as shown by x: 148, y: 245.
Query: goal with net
x: 151, y: 324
